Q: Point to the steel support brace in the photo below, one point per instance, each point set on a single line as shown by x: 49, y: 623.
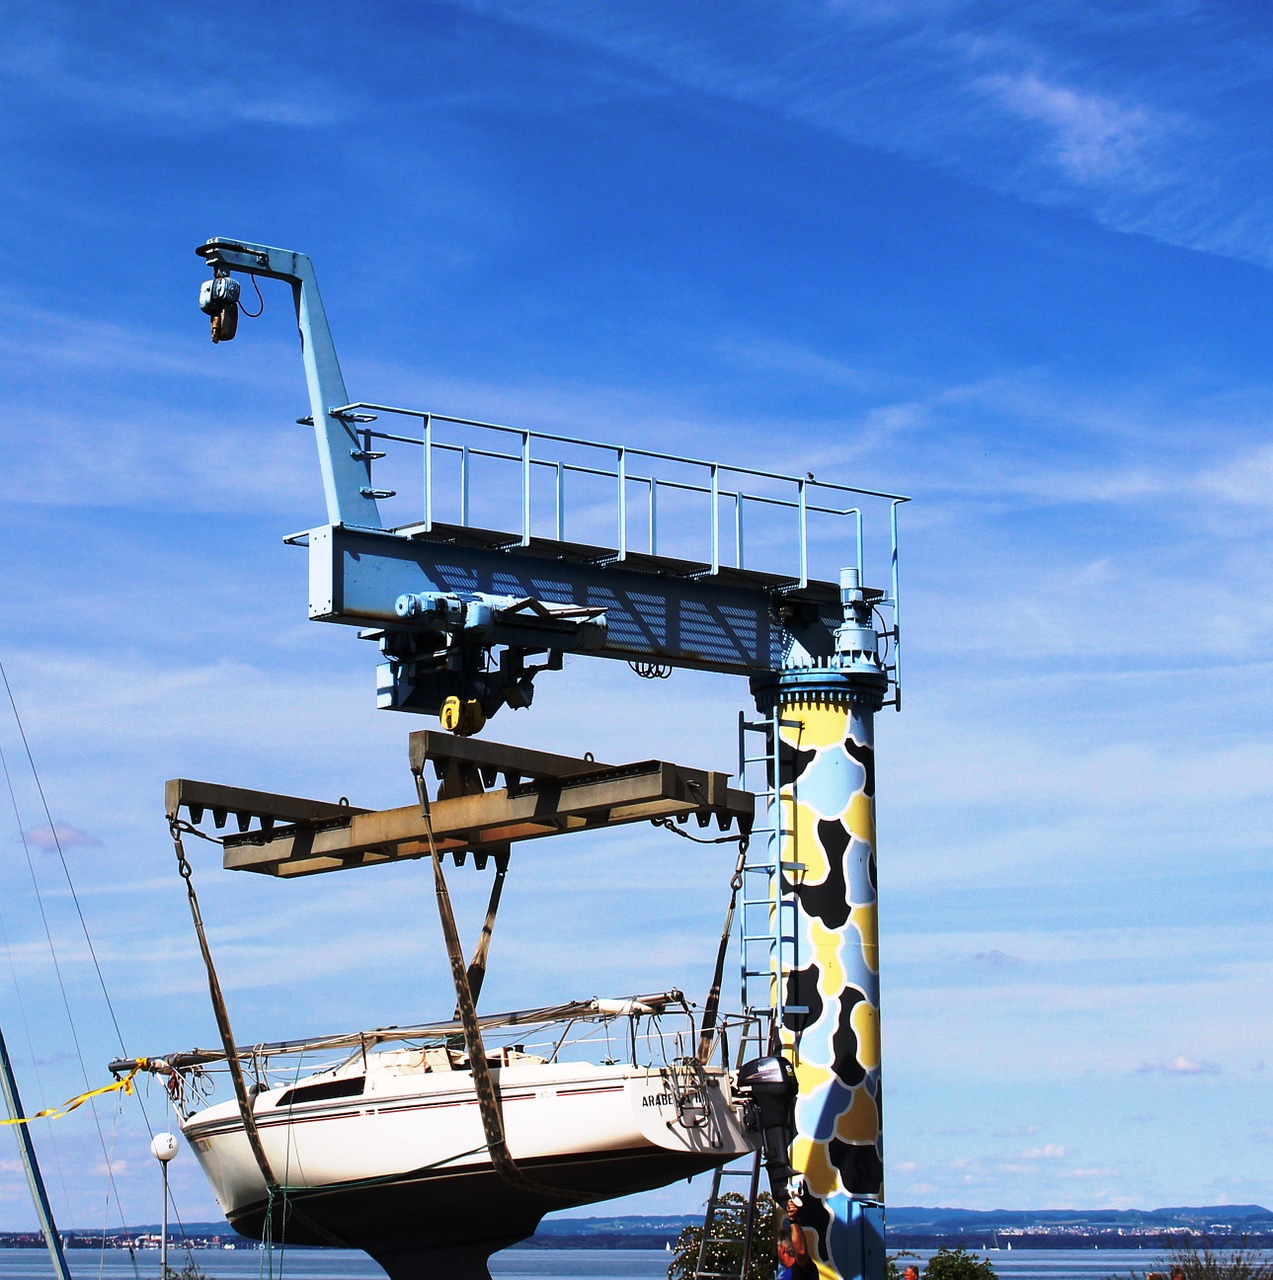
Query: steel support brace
x: 346, y: 476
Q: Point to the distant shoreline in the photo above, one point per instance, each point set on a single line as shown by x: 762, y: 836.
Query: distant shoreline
x: 976, y: 1230
x: 972, y: 1242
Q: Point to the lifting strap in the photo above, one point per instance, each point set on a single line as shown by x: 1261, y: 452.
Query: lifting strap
x: 488, y: 1101
x: 477, y: 966
x: 711, y: 1006
x: 272, y: 1185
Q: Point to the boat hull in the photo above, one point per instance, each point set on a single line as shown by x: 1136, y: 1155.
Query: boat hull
x: 401, y: 1171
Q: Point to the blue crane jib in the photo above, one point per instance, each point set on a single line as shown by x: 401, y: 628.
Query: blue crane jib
x: 478, y: 554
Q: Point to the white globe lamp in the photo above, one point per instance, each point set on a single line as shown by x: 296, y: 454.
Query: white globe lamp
x: 163, y: 1146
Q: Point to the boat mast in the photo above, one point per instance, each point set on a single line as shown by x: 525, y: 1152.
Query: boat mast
x: 48, y: 1228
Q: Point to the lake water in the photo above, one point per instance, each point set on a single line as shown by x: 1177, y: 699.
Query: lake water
x: 521, y: 1264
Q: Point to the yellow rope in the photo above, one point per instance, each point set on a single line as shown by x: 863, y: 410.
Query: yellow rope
x: 56, y: 1113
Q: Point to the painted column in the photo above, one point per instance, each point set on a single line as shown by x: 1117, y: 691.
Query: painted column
x: 831, y: 1025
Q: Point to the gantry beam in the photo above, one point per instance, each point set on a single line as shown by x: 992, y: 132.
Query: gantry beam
x: 656, y: 609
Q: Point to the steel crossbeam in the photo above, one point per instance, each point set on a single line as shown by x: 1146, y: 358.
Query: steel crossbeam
x: 740, y: 622
x: 337, y: 837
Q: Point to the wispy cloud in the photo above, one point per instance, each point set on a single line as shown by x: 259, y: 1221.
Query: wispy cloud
x: 1179, y: 1066
x: 61, y: 835
x: 1093, y: 138
x: 167, y: 76
x: 1058, y: 110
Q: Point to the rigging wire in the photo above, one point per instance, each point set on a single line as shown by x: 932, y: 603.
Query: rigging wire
x: 66, y: 872
x: 79, y: 911
x: 57, y: 968
x: 22, y: 1009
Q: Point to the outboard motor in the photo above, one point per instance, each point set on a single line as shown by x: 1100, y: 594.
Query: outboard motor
x: 769, y: 1084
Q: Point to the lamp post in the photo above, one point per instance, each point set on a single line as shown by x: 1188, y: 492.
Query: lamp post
x: 163, y: 1146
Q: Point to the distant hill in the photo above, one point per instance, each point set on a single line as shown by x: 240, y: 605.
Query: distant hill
x: 1201, y: 1217
x: 908, y: 1226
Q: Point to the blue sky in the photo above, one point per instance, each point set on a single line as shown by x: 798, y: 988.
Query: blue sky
x: 1011, y: 259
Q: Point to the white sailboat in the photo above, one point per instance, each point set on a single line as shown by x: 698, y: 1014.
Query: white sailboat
x: 385, y: 1147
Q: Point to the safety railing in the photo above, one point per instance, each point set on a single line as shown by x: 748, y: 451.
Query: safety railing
x: 628, y: 501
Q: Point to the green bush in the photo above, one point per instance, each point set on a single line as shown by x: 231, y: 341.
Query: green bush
x: 725, y: 1253
x: 1205, y: 1263
x: 956, y: 1264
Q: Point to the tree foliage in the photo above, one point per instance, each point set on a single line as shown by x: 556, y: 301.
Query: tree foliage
x: 957, y: 1264
x: 189, y: 1272
x: 725, y: 1250
x: 896, y: 1263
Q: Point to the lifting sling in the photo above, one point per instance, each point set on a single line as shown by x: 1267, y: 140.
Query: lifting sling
x: 488, y: 1101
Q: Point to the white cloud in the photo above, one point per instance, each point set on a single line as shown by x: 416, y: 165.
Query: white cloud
x: 163, y: 77
x: 1050, y: 110
x: 1180, y: 1066
x: 62, y: 836
x: 1246, y: 480
x: 1050, y: 1151
x: 1095, y: 139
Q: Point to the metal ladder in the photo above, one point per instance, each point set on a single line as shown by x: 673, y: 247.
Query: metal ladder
x: 769, y: 938
x: 769, y: 954
x: 704, y: 1269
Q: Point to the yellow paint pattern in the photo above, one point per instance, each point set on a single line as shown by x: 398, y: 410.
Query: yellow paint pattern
x: 861, y: 1122
x: 805, y: 845
x: 865, y: 1021
x: 863, y: 920
x: 861, y: 818
x: 828, y: 947
x: 812, y: 1078
x: 811, y: 1159
x: 820, y: 726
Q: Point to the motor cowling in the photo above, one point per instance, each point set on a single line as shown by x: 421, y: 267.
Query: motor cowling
x: 769, y: 1086
x: 219, y: 299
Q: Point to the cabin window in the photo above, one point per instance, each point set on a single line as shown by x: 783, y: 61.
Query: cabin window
x: 342, y: 1087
